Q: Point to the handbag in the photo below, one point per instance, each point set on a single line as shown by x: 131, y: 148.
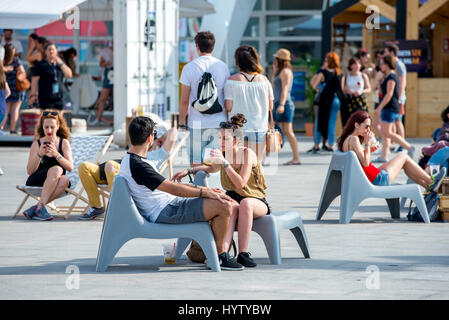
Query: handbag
x: 273, y: 137
x: 196, y: 254
x: 22, y: 83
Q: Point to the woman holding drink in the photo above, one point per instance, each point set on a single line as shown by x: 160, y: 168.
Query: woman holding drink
x: 242, y: 179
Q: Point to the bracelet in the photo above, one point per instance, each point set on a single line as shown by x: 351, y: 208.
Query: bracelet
x: 201, y: 192
x: 60, y: 65
x: 59, y: 157
x: 225, y: 164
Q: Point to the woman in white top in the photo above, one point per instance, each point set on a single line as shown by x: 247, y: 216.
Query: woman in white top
x: 249, y: 92
x: 355, y: 86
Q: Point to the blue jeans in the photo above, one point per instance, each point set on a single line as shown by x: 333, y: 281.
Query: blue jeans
x: 441, y: 157
x: 335, y: 107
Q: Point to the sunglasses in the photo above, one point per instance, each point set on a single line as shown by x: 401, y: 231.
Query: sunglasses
x: 155, y: 133
x: 53, y: 113
x: 226, y: 125
x: 367, y: 126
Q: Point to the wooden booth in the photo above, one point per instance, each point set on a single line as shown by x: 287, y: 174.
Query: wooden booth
x: 426, y: 20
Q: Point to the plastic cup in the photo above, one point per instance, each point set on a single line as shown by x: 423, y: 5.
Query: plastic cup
x: 208, y: 161
x: 434, y: 169
x: 169, y: 253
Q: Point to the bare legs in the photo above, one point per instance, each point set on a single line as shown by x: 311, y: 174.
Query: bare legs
x: 411, y: 169
x: 54, y: 185
x: 388, y: 136
x: 248, y: 210
x: 101, y: 103
x: 219, y: 214
x: 12, y: 108
x: 287, y: 129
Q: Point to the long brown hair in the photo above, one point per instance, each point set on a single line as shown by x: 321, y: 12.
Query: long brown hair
x: 282, y: 64
x: 333, y: 62
x: 247, y: 59
x: 2, y: 79
x: 63, y: 131
x: 10, y: 51
x: 356, y: 117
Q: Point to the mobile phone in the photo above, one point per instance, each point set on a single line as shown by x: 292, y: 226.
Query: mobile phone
x: 46, y: 143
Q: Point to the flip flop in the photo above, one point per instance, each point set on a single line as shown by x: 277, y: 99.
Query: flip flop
x: 291, y: 163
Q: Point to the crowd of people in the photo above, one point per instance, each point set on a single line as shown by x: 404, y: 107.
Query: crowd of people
x: 43, y: 84
x: 228, y: 136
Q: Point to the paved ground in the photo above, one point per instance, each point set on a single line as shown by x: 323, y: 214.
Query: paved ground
x: 412, y: 258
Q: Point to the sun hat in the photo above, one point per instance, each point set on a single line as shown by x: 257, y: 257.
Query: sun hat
x: 283, y: 54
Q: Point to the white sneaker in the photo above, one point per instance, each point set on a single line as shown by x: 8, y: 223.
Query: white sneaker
x: 3, y: 133
x: 1, y: 172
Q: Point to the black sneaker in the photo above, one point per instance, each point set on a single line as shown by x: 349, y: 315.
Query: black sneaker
x: 92, y: 213
x: 226, y: 263
x: 244, y: 259
x: 328, y: 149
x: 313, y: 150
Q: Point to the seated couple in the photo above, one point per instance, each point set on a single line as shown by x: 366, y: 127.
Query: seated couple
x: 357, y: 137
x: 91, y: 174
x: 163, y: 201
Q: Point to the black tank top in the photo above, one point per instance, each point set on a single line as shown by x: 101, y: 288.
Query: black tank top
x: 48, y: 162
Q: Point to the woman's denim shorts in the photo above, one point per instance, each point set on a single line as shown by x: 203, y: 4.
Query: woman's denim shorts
x: 287, y: 115
x: 390, y: 116
x: 382, y: 178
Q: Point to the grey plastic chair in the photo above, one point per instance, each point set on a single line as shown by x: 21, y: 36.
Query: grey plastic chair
x: 345, y: 177
x: 123, y: 222
x: 268, y: 227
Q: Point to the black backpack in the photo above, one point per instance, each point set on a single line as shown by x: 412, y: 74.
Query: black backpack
x: 207, y: 101
x: 431, y: 201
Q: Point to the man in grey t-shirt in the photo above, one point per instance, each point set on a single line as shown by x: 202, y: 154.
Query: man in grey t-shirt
x: 401, y: 71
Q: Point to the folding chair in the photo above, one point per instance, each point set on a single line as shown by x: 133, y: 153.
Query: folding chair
x: 84, y: 148
x: 183, y: 136
x: 345, y: 177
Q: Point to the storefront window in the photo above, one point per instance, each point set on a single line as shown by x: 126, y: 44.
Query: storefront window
x: 258, y: 5
x: 252, y: 28
x: 294, y: 4
x: 293, y: 25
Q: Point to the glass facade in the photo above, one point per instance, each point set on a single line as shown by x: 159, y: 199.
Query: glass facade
x: 305, y: 25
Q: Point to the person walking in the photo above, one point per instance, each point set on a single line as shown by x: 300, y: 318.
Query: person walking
x: 250, y: 93
x: 4, y: 94
x: 12, y: 65
x: 331, y: 98
x: 202, y: 125
x: 106, y: 62
x: 284, y: 108
x: 47, y: 80
x: 388, y: 110
x: 356, y: 86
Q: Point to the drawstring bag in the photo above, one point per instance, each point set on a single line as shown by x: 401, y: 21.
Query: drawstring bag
x: 207, y: 101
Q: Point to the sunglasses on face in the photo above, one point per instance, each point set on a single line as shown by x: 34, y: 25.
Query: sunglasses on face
x: 53, y: 113
x: 366, y: 126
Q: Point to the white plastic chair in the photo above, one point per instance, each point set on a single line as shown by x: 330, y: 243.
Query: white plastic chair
x: 345, y: 177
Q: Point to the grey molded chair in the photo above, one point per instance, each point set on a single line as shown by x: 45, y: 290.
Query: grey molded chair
x: 345, y: 177
x: 123, y: 222
x: 268, y: 227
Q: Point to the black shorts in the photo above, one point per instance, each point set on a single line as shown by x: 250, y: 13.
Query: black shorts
x: 37, y: 179
x: 239, y: 198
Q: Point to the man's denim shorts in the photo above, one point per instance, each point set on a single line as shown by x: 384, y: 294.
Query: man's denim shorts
x: 382, y: 178
x: 183, y: 211
x: 390, y: 116
x: 255, y: 136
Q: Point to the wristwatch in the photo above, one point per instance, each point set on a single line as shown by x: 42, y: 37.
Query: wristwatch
x: 59, y: 157
x: 225, y: 164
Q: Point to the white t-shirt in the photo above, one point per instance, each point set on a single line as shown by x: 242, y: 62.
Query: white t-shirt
x: 143, y: 180
x: 15, y: 43
x: 253, y: 100
x: 191, y: 77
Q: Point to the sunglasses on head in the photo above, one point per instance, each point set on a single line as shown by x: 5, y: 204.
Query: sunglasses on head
x: 226, y: 125
x: 155, y: 133
x: 53, y: 113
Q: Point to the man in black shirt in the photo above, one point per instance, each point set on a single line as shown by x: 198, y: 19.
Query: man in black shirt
x: 163, y: 201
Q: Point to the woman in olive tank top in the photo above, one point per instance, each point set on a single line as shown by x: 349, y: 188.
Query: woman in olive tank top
x: 242, y: 179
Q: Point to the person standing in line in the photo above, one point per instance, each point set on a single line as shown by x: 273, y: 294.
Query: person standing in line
x: 388, y: 111
x: 11, y: 66
x: 356, y: 86
x: 250, y: 93
x: 284, y: 108
x: 16, y: 43
x: 4, y: 94
x: 202, y: 126
x: 106, y: 62
x: 33, y: 54
x: 401, y: 72
x: 47, y: 80
x: 331, y: 99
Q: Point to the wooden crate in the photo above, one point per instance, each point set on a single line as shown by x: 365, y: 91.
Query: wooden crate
x: 445, y: 187
x: 444, y: 203
x: 445, y: 216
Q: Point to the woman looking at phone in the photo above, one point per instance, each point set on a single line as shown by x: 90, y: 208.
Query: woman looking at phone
x: 49, y: 159
x: 242, y: 179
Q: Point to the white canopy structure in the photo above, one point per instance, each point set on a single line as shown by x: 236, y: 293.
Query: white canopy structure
x: 31, y: 14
